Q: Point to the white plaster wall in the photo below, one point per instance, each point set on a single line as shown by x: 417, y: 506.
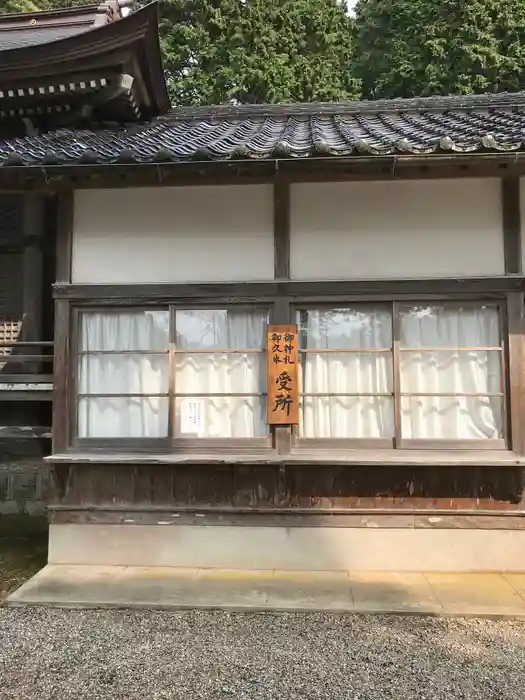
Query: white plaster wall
x: 425, y: 228
x: 179, y: 234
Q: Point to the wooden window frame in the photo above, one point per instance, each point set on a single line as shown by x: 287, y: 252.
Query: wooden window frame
x: 171, y: 443
x: 397, y: 442
x: 283, y: 440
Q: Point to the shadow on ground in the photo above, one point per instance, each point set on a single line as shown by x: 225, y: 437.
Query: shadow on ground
x: 23, y: 550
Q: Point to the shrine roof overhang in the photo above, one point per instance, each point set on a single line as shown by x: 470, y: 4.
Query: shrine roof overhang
x: 465, y: 134
x: 57, y: 72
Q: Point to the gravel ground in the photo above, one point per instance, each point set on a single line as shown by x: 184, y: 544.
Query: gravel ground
x: 59, y: 654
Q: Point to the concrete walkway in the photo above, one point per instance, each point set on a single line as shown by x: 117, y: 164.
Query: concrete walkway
x: 483, y: 595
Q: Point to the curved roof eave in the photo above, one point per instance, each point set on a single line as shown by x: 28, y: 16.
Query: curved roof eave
x: 98, y: 43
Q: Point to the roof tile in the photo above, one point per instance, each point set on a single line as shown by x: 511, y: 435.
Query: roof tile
x: 431, y: 125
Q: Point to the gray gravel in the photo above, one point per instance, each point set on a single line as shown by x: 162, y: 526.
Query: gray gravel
x: 59, y: 654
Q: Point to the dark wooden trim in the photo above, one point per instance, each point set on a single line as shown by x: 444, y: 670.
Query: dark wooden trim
x: 429, y: 444
x: 511, y: 211
x: 305, y: 291
x: 62, y: 371
x: 398, y: 518
x: 261, y: 171
x: 396, y: 374
x: 516, y: 370
x: 313, y: 458
x: 33, y: 270
x: 64, y: 236
x: 281, y: 230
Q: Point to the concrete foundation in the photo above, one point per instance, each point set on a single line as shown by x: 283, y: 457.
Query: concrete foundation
x: 288, y: 548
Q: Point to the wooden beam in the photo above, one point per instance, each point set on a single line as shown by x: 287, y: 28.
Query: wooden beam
x: 305, y: 290
x: 61, y: 393
x: 64, y: 238
x: 32, y: 284
x: 510, y: 201
x: 281, y: 434
x: 281, y: 230
x: 516, y: 371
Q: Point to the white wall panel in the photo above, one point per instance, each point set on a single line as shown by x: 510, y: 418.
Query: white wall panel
x: 179, y: 234
x: 425, y: 228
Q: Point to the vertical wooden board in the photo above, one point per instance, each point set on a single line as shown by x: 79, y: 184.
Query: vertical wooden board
x: 61, y: 394
x: 213, y: 486
x: 64, y: 237
x: 162, y: 484
x: 283, y: 374
x: 142, y: 487
x: 511, y: 215
x: 203, y: 486
x: 281, y: 230
x: 516, y: 370
x: 254, y: 486
x: 123, y: 484
x: 103, y: 478
x: 182, y: 489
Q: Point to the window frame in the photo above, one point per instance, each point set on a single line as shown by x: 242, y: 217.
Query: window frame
x: 397, y: 442
x: 281, y: 307
x: 171, y: 443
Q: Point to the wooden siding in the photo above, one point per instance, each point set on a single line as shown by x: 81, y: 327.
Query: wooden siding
x: 310, y: 489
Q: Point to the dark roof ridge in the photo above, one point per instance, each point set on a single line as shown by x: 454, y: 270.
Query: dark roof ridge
x: 493, y: 100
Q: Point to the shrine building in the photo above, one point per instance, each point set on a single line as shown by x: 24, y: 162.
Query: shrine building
x: 260, y: 336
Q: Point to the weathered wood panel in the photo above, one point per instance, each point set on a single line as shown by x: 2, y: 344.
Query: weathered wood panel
x: 322, y: 488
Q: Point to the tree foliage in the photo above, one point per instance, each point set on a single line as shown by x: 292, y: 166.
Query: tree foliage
x: 253, y: 51
x: 409, y: 48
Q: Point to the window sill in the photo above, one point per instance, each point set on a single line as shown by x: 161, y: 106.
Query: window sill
x: 371, y: 458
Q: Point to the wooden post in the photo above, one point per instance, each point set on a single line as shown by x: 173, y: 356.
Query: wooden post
x: 61, y: 393
x: 510, y: 201
x: 32, y: 285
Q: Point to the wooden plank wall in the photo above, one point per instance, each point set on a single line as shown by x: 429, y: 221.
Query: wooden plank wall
x: 305, y: 487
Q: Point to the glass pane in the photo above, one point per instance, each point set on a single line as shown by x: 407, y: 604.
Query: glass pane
x: 214, y: 328
x: 456, y: 418
x: 124, y: 330
x: 123, y: 374
x: 333, y: 372
x: 123, y: 417
x: 355, y: 327
x: 347, y: 417
x: 221, y: 417
x: 432, y: 326
x: 455, y: 372
x: 218, y: 373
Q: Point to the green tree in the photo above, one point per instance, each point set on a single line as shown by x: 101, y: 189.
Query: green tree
x: 254, y: 51
x: 409, y: 48
x: 10, y: 6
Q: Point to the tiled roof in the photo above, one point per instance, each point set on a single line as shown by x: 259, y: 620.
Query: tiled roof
x: 35, y: 37
x: 487, y: 123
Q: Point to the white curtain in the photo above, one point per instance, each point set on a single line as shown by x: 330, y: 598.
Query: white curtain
x: 453, y: 371
x: 211, y: 371
x: 117, y: 358
x: 356, y: 372
x: 120, y: 364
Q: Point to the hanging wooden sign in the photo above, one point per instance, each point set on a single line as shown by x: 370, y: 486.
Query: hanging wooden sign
x: 283, y: 375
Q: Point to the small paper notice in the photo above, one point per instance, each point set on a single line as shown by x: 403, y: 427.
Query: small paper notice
x: 192, y: 417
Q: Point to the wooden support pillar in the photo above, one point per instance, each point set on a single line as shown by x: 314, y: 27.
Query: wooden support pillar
x: 61, y: 393
x: 282, y: 435
x: 34, y: 210
x: 510, y: 200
